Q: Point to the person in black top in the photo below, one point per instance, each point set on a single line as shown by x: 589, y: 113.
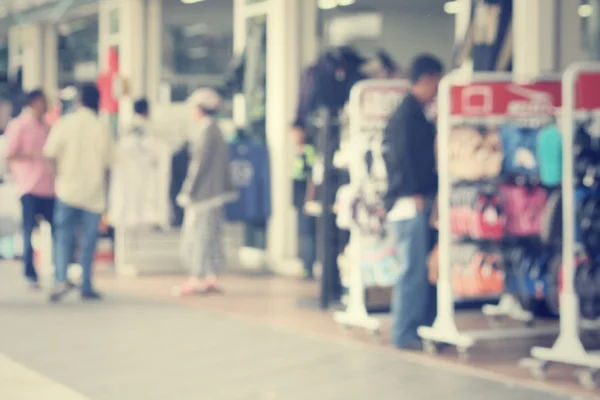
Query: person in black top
x: 409, y: 155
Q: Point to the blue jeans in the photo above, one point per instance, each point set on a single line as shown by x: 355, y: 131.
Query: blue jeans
x: 414, y: 298
x: 69, y: 223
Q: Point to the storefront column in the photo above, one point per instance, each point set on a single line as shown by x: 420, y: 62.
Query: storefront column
x: 291, y: 44
x: 534, y: 28
x: 154, y: 48
x: 121, y: 25
x: 554, y: 37
x: 50, y: 64
x: 26, y: 48
x: 284, y: 48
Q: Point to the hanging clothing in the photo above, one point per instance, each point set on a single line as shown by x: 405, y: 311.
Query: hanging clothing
x: 489, y: 38
x: 202, y: 242
x: 251, y: 175
x: 139, y: 192
x: 328, y: 83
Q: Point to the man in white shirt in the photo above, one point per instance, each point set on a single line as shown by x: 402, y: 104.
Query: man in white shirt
x: 82, y: 148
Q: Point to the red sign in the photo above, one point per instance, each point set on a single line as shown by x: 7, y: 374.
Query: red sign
x: 108, y: 101
x: 587, y: 91
x: 380, y: 102
x: 485, y: 99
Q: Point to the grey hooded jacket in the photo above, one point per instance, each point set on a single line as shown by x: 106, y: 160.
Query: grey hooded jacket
x: 208, y: 181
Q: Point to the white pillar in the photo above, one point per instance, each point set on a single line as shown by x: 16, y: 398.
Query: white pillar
x: 50, y: 64
x: 26, y: 50
x: 154, y: 40
x: 283, y: 71
x: 128, y: 19
x: 462, y: 19
x: 553, y: 33
x: 292, y: 43
x: 534, y: 29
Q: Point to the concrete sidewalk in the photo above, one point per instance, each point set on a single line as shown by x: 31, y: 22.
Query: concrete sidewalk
x: 129, y: 349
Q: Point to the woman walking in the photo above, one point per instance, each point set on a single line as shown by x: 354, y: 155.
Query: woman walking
x: 206, y: 189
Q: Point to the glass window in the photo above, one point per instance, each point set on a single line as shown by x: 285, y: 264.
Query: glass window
x: 197, y: 45
x: 78, y: 51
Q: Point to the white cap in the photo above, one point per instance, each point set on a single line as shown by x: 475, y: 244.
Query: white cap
x: 205, y: 98
x: 69, y: 93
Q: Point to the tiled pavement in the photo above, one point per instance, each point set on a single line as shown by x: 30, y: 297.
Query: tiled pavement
x: 131, y: 349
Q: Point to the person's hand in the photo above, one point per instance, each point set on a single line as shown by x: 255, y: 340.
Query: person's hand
x: 183, y: 200
x: 103, y: 227
x: 381, y: 213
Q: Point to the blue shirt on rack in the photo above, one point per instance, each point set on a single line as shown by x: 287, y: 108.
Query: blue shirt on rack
x: 251, y: 176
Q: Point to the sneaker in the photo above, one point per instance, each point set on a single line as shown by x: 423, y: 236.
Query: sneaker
x: 59, y: 292
x: 415, y: 345
x: 91, y: 295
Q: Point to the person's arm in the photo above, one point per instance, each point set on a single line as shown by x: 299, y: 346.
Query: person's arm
x: 14, y: 144
x: 54, y: 144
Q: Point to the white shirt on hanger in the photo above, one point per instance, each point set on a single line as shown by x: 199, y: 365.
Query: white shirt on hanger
x: 139, y: 193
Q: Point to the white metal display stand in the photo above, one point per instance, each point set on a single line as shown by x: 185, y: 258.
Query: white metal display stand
x: 371, y: 103
x: 486, y: 99
x: 568, y: 348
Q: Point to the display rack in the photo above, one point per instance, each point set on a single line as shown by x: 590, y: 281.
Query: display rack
x: 580, y: 90
x: 371, y: 103
x: 479, y: 99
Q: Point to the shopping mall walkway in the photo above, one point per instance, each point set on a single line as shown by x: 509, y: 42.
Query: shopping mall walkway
x: 130, y: 349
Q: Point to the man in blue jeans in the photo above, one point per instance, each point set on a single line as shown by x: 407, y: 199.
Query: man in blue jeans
x: 81, y: 147
x: 409, y: 154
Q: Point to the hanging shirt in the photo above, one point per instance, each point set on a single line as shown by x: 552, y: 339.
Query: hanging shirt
x: 139, y: 192
x: 26, y: 135
x: 492, y: 35
x: 251, y: 177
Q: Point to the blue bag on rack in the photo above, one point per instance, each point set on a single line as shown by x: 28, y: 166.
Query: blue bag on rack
x: 520, y: 155
x: 549, y: 155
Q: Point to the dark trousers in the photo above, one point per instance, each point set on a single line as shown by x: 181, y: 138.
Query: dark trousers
x: 307, y: 241
x: 33, y: 207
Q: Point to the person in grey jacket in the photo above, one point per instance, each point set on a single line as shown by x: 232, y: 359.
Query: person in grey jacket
x: 206, y: 189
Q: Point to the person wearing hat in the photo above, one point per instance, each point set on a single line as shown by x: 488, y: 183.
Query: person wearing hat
x: 206, y: 189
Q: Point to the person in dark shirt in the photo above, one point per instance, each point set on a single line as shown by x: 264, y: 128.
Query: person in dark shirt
x: 409, y: 155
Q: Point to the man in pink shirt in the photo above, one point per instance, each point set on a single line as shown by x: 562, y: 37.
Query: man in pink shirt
x: 33, y: 175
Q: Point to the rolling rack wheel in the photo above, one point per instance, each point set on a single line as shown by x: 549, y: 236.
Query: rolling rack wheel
x: 530, y: 323
x: 430, y: 347
x: 587, y: 378
x: 537, y: 368
x: 376, y: 336
x: 463, y: 353
x: 495, y: 321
